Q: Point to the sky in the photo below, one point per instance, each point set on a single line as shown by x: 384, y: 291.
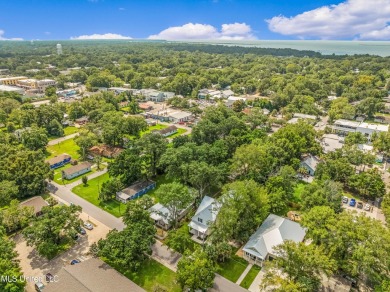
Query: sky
x: 195, y: 19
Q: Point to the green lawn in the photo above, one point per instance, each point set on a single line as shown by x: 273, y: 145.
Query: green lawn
x: 178, y: 133
x: 91, y: 191
x: 160, y: 180
x: 58, y: 175
x: 70, y: 130
x: 67, y: 146
x: 153, y: 128
x: 232, y: 268
x: 248, y: 280
x: 150, y: 275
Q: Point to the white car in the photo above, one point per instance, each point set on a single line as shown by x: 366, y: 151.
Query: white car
x: 367, y: 207
x: 88, y: 225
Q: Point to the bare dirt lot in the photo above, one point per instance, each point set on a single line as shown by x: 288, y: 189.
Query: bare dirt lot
x: 34, y: 265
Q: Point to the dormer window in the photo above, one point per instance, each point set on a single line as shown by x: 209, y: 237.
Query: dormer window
x: 200, y: 220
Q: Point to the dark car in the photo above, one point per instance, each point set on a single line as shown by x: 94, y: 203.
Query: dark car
x: 82, y: 231
x: 359, y: 205
x: 73, y: 262
x: 49, y: 277
x: 352, y: 203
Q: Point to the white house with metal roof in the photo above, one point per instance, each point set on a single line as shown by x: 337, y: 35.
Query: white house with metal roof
x: 205, y: 216
x: 273, y: 232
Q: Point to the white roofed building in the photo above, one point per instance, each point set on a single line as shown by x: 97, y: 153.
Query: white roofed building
x: 273, y: 232
x: 205, y: 215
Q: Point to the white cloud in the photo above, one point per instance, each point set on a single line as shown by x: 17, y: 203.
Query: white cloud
x: 122, y: 9
x: 360, y: 19
x: 2, y: 38
x: 233, y: 31
x: 106, y: 36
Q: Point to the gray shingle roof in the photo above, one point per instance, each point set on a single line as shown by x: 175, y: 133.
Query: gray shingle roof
x: 92, y: 275
x: 271, y: 233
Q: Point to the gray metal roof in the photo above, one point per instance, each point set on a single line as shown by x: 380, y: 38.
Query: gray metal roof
x: 272, y: 232
x: 207, y: 211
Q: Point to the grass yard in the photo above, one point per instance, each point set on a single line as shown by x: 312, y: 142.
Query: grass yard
x: 91, y: 191
x: 248, y: 280
x: 160, y: 180
x: 70, y: 130
x: 151, y: 275
x: 178, y: 133
x: 67, y: 146
x: 58, y: 175
x: 298, y: 192
x: 232, y: 268
x: 153, y: 128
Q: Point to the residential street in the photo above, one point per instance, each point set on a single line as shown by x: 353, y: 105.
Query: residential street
x: 62, y: 139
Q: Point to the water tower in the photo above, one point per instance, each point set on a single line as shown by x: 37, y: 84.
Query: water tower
x: 59, y: 49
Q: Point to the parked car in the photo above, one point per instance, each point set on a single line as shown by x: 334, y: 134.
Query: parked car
x: 39, y: 286
x: 345, y: 200
x: 359, y: 205
x: 88, y: 225
x: 73, y: 262
x: 367, y: 207
x: 352, y: 202
x: 49, y: 277
x: 82, y: 231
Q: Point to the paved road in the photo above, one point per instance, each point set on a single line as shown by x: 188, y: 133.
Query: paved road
x: 59, y: 140
x: 67, y: 195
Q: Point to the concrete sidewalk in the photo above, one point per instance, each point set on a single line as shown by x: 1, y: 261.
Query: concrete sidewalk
x: 244, y: 273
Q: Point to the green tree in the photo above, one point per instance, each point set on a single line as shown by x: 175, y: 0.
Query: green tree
x: 48, y: 231
x: 176, y: 198
x: 180, y: 240
x: 84, y: 180
x: 136, y: 211
x: 55, y: 129
x: 127, y: 166
x: 85, y: 141
x: 368, y: 184
x: 195, y: 271
x: 8, y: 191
x: 130, y: 247
x: 153, y: 146
x: 109, y: 189
x: 242, y: 207
x: 322, y: 193
x: 15, y: 216
x: 34, y: 138
x: 98, y: 160
x: 301, y: 266
x: 10, y: 265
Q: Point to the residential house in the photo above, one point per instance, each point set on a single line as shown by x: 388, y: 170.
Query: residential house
x: 162, y: 216
x: 310, y: 162
x: 105, y: 151
x: 59, y: 161
x: 76, y: 170
x: 37, y: 203
x: 380, y: 119
x: 82, y: 121
x: 135, y: 191
x: 118, y: 90
x: 146, y: 106
x: 204, y: 217
x: 227, y: 93
x: 91, y: 275
x: 272, y: 232
x: 167, y: 131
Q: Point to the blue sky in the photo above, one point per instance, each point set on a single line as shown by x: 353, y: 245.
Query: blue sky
x: 195, y: 19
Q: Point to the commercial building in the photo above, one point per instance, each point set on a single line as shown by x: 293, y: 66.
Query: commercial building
x: 343, y: 127
x: 36, y: 85
x: 12, y: 89
x: 12, y: 80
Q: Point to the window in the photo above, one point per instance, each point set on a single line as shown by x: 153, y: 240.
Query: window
x: 200, y: 220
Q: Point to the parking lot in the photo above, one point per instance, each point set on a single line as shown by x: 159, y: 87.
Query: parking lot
x: 34, y: 265
x: 375, y: 212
